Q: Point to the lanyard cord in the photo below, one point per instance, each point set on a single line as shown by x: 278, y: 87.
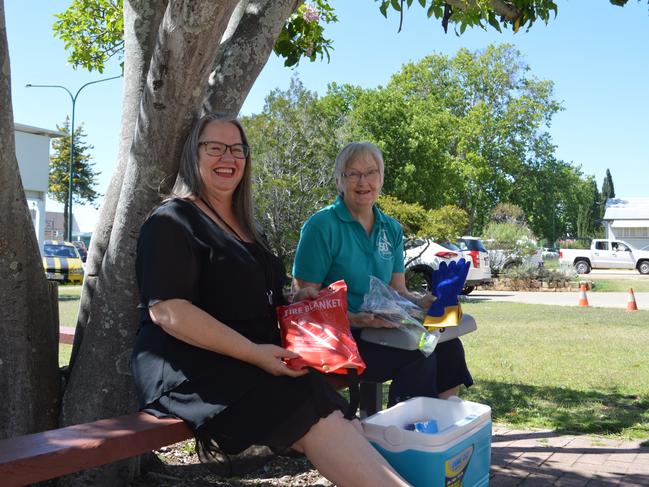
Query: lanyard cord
x: 220, y: 218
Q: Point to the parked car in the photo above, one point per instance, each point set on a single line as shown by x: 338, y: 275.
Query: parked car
x: 81, y: 247
x: 478, y: 257
x: 501, y: 260
x: 62, y: 262
x: 423, y: 257
x: 606, y: 254
x: 550, y: 253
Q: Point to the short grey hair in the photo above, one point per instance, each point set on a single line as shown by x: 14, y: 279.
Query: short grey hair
x: 352, y: 152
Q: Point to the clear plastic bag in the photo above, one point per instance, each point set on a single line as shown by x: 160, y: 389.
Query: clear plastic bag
x: 384, y: 302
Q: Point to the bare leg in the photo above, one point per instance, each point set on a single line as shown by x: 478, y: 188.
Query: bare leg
x: 453, y: 391
x: 343, y: 455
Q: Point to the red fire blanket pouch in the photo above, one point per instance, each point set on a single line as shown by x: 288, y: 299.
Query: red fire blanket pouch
x: 318, y: 330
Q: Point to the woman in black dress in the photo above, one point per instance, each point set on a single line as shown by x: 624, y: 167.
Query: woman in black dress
x: 208, y: 346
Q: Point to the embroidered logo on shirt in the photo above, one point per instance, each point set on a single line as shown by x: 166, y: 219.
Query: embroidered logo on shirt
x: 384, y: 246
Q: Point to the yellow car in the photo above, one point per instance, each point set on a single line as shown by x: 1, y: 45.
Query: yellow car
x: 62, y: 262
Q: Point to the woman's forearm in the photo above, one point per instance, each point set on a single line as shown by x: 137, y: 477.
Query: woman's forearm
x: 190, y: 324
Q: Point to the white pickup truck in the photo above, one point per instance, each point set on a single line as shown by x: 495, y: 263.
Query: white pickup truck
x: 606, y: 254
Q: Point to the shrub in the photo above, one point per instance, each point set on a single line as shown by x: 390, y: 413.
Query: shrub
x: 575, y: 243
x: 526, y: 276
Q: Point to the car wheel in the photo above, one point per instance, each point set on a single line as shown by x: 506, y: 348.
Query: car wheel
x: 467, y: 290
x: 419, y: 279
x: 643, y: 267
x: 582, y: 267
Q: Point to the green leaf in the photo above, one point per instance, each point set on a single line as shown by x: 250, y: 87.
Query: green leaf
x: 384, y: 8
x: 396, y: 4
x: 494, y: 23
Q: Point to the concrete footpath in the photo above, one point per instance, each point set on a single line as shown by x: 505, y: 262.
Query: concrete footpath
x: 564, y: 298
x: 544, y: 458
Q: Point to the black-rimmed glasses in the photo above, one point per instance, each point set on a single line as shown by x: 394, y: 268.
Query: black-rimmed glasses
x: 217, y: 149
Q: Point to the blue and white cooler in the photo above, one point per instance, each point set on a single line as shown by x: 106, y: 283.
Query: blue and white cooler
x: 435, y: 442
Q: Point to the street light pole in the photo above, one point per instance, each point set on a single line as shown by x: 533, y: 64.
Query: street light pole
x: 71, y: 167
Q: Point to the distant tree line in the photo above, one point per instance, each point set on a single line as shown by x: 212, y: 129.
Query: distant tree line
x: 464, y: 133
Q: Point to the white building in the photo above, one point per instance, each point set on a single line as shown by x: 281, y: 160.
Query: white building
x: 628, y: 219
x: 33, y: 154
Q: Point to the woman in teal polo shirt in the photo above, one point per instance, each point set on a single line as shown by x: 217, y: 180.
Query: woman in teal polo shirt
x: 353, y: 239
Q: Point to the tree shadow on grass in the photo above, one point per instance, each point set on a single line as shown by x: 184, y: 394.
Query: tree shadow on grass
x: 68, y: 297
x: 564, y: 410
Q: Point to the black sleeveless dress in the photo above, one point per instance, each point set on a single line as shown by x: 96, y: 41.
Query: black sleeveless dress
x: 183, y: 254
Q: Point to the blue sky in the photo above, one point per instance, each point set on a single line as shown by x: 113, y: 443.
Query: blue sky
x: 595, y: 53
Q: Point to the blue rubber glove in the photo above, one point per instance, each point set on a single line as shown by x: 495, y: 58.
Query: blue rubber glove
x: 447, y: 283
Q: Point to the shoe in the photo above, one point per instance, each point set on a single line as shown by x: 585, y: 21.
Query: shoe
x: 232, y: 465
x: 286, y: 452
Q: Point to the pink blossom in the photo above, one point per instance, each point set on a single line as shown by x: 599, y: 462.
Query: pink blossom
x: 310, y: 13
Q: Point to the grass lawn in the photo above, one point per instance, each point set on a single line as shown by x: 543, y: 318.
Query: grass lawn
x: 576, y: 370
x: 622, y: 285
x: 69, y: 304
x: 68, y: 310
x: 64, y: 354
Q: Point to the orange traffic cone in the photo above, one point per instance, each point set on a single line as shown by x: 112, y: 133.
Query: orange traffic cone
x: 583, y: 299
x: 630, y: 302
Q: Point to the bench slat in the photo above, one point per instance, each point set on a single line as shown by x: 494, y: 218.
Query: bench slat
x: 66, y: 334
x: 49, y: 454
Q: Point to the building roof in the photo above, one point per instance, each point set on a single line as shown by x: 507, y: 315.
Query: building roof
x: 627, y: 209
x: 52, y: 134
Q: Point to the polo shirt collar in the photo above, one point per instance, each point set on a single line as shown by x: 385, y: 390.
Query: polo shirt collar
x: 340, y: 208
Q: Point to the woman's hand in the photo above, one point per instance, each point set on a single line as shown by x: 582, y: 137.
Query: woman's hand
x: 304, y: 293
x: 369, y: 320
x: 269, y: 357
x: 426, y: 301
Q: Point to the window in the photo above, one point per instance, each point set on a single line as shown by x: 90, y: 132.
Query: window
x: 60, y: 251
x: 632, y: 232
x: 601, y: 245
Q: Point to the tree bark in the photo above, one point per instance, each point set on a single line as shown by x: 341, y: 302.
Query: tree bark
x: 141, y: 21
x: 29, y: 376
x: 100, y: 383
x: 244, y: 51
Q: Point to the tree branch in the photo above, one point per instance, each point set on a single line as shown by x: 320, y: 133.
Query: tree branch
x: 501, y: 7
x: 244, y: 51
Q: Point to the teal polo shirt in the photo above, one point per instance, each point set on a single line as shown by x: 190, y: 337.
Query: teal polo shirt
x: 334, y: 245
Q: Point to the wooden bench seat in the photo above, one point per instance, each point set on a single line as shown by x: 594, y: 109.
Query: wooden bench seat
x: 66, y: 335
x: 49, y: 454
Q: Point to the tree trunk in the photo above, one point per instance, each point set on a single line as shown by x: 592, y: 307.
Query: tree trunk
x: 100, y: 383
x: 141, y: 21
x: 244, y: 51
x: 29, y: 376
